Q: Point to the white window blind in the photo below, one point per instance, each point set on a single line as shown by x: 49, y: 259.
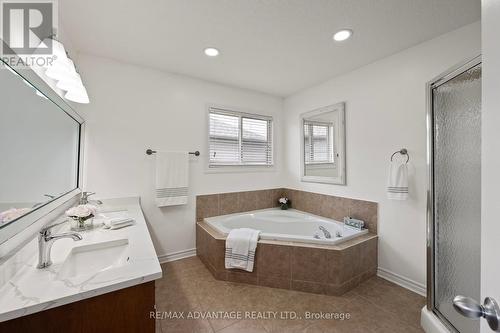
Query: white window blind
x: 318, y: 142
x: 239, y: 138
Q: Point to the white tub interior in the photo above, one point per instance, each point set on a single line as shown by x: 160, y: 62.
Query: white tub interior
x: 286, y: 225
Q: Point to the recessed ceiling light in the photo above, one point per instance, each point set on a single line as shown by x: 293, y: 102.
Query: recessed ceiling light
x: 342, y: 35
x: 211, y: 52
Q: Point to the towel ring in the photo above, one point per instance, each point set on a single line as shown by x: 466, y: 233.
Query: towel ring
x: 403, y: 151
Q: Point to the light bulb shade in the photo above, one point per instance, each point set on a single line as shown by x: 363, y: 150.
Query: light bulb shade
x: 61, y: 70
x: 71, y: 82
x: 56, y: 71
x: 78, y: 95
x: 58, y: 50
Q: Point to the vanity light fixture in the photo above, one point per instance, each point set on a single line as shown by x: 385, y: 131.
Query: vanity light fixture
x: 78, y: 95
x: 61, y: 70
x: 342, y: 35
x: 64, y: 72
x: 73, y: 81
x: 60, y: 63
x: 75, y: 90
x: 211, y: 52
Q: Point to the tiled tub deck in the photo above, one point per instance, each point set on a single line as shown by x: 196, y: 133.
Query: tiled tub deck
x: 331, y: 270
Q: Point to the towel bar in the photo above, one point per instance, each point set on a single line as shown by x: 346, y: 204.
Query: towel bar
x: 150, y: 152
x: 402, y: 151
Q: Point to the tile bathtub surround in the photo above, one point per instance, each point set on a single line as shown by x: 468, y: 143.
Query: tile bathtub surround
x: 321, y: 269
x: 319, y: 204
x: 335, y: 207
x: 235, y: 202
x: 187, y: 285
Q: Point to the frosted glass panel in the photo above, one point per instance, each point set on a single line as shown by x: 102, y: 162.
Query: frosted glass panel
x: 457, y: 193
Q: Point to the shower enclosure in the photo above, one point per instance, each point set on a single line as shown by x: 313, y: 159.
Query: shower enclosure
x: 454, y: 193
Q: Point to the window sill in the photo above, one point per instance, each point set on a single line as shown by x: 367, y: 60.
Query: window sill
x: 323, y: 180
x: 240, y: 169
x: 320, y: 166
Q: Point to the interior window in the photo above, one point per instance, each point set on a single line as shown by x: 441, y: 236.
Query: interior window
x: 239, y: 138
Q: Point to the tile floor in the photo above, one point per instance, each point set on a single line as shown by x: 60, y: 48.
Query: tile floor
x: 188, y: 287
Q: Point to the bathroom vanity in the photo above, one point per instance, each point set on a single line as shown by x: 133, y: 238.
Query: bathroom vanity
x: 103, y: 283
x: 95, y: 280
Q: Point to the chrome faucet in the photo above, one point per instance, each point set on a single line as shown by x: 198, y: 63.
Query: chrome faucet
x: 85, y: 199
x: 45, y: 241
x: 325, y: 232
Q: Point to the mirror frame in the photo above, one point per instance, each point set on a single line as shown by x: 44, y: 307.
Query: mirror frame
x: 35, y: 218
x: 340, y: 136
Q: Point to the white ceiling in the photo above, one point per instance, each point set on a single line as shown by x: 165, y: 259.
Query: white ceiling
x: 274, y: 46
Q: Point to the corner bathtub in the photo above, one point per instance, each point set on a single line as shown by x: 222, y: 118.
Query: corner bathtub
x: 286, y: 225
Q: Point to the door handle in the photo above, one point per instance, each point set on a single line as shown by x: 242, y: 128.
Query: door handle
x: 470, y: 308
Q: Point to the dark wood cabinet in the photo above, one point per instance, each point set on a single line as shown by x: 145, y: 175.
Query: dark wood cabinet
x: 125, y: 310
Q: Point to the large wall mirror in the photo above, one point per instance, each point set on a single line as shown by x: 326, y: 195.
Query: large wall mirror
x: 39, y: 148
x: 323, y: 145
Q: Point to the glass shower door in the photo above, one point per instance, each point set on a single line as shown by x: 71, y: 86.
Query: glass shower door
x: 456, y: 187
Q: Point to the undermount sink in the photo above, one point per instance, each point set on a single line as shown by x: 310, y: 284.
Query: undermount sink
x: 95, y: 258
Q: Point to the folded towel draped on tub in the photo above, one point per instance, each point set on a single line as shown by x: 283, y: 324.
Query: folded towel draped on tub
x: 397, y: 185
x: 172, y: 178
x: 240, y: 248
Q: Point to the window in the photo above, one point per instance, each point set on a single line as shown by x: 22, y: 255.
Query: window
x: 238, y: 138
x: 318, y: 142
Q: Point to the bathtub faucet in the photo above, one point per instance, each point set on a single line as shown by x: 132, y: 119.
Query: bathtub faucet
x: 325, y: 232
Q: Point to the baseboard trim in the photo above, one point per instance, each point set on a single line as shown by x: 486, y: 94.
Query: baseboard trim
x: 176, y: 255
x: 402, y: 281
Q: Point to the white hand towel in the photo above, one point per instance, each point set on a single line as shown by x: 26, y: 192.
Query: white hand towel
x: 118, y: 223
x: 172, y: 178
x: 397, y: 185
x: 240, y: 248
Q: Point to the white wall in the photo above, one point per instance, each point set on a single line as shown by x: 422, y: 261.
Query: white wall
x: 134, y: 108
x: 385, y: 111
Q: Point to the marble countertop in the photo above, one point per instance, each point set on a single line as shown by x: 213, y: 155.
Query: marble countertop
x: 24, y: 289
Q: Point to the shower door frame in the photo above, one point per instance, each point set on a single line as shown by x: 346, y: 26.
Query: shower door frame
x: 434, y: 83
